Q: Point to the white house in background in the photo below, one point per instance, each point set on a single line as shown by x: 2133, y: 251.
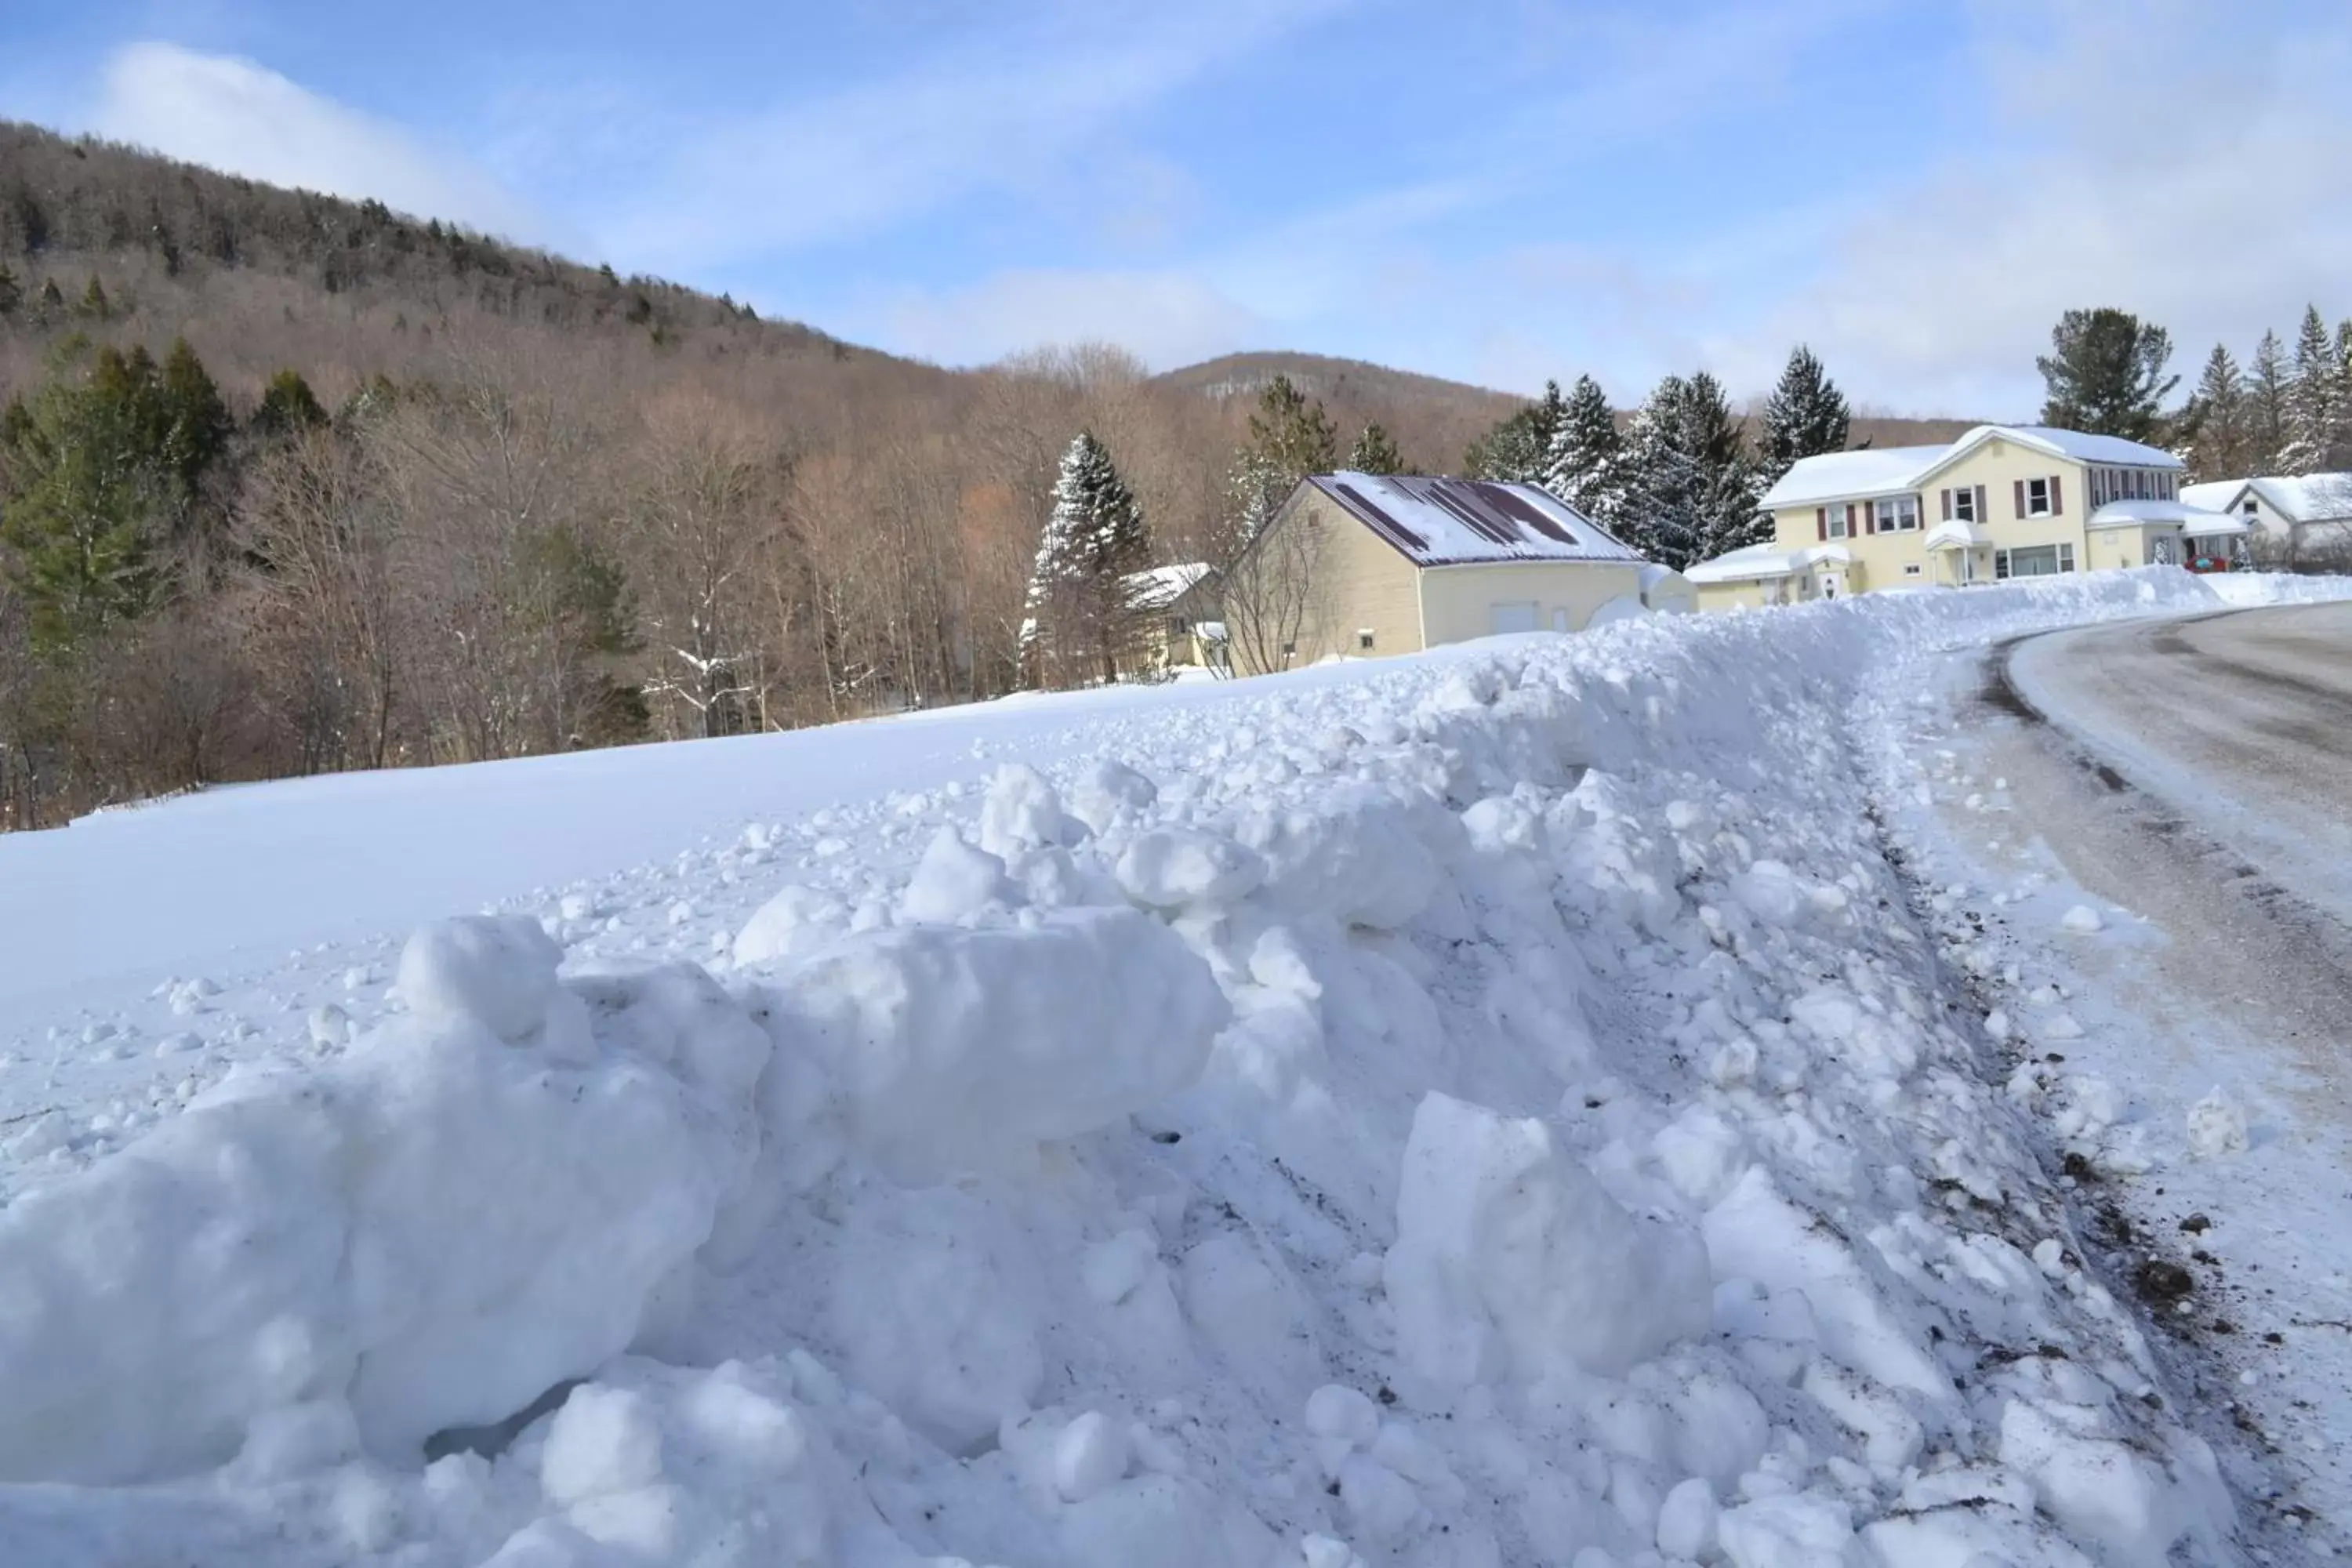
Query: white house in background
x: 2289, y: 512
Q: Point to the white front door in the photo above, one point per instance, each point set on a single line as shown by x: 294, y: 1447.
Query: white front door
x: 1832, y: 585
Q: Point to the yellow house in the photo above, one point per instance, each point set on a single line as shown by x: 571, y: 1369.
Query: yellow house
x: 1357, y: 565
x: 2002, y: 501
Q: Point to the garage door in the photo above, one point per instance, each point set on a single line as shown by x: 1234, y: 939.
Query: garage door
x: 1513, y: 617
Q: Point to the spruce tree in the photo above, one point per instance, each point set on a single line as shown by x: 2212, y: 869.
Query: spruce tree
x: 95, y: 306
x: 11, y: 293
x: 2315, y: 400
x: 1375, y: 452
x: 289, y: 407
x: 1290, y: 437
x: 1585, y: 466
x: 2218, y: 415
x: 196, y: 423
x: 2107, y: 374
x: 86, y: 486
x: 1517, y: 450
x: 1691, y: 488
x: 1080, y: 612
x: 1805, y: 416
x: 2265, y: 407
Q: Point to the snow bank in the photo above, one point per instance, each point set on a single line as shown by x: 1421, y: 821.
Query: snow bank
x: 482, y: 1200
x: 1492, y: 1108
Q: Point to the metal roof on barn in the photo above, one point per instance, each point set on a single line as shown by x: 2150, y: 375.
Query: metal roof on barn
x: 1456, y: 522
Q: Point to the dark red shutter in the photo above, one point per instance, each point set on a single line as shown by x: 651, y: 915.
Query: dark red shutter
x: 1983, y: 517
x: 2020, y: 496
x: 2057, y: 499
x: 1869, y: 517
x: 1821, y: 521
x: 1948, y: 503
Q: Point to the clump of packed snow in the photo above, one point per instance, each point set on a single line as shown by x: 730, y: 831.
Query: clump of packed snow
x: 1494, y: 1107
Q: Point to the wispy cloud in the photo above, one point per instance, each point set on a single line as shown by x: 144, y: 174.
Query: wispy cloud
x: 1004, y: 116
x: 2184, y: 162
x: 243, y: 117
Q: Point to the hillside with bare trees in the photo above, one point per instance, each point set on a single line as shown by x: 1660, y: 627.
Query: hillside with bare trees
x: 291, y: 484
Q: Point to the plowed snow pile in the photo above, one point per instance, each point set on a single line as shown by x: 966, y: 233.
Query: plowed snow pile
x: 1495, y: 1109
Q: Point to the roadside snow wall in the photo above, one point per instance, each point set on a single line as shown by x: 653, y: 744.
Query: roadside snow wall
x: 1496, y: 1110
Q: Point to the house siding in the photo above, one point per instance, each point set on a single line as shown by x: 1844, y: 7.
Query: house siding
x: 1457, y: 603
x: 1362, y: 585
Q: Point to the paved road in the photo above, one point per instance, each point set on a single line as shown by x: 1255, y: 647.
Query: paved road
x: 2241, y: 723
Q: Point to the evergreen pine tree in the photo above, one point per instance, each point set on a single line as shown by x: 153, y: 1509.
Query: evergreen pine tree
x: 2315, y: 400
x: 1585, y: 464
x: 1517, y: 450
x: 53, y: 304
x: 1290, y: 437
x: 289, y: 407
x: 1375, y: 452
x: 86, y: 483
x: 2218, y: 419
x: 94, y: 303
x: 11, y: 293
x: 2107, y: 374
x: 1805, y: 416
x: 1080, y: 612
x: 1691, y: 490
x: 2265, y: 407
x: 197, y: 422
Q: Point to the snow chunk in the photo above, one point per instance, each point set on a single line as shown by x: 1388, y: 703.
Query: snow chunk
x: 954, y: 882
x: 797, y: 921
x: 1355, y: 859
x: 1174, y: 867
x: 959, y: 1049
x: 1108, y: 789
x: 603, y: 1440
x: 1492, y: 1272
x: 2217, y: 1126
x: 495, y: 970
x: 2082, y: 921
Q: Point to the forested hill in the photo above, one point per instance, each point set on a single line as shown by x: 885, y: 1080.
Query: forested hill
x: 290, y: 483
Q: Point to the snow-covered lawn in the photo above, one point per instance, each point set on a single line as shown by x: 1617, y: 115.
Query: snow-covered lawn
x: 1492, y: 1108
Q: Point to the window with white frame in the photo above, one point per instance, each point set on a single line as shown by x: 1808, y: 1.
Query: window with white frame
x: 1912, y: 570
x: 1898, y: 514
x: 2037, y: 498
x: 2040, y: 561
x: 1964, y: 504
x: 1841, y: 520
x: 1364, y: 639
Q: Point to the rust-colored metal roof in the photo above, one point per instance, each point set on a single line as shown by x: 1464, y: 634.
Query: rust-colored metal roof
x: 1438, y: 521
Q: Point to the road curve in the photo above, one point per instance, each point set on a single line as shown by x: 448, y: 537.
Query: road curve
x: 2240, y: 722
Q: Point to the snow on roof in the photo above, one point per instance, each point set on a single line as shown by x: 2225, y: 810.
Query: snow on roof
x: 1839, y: 475
x: 1447, y: 522
x: 1877, y: 471
x: 1954, y: 535
x: 2079, y: 445
x: 2298, y: 498
x: 1760, y: 561
x: 1161, y: 586
x: 2180, y: 513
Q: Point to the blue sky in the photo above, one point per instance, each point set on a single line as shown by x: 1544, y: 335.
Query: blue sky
x: 1494, y: 190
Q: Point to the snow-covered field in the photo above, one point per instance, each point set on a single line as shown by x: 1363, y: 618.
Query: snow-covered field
x: 1498, y: 1106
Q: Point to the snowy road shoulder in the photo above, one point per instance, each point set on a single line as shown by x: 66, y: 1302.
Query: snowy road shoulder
x: 1491, y: 1109
x: 2176, y: 1020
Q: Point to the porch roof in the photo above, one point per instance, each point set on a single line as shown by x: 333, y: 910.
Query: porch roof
x: 1758, y: 561
x: 2195, y: 520
x: 1955, y: 535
